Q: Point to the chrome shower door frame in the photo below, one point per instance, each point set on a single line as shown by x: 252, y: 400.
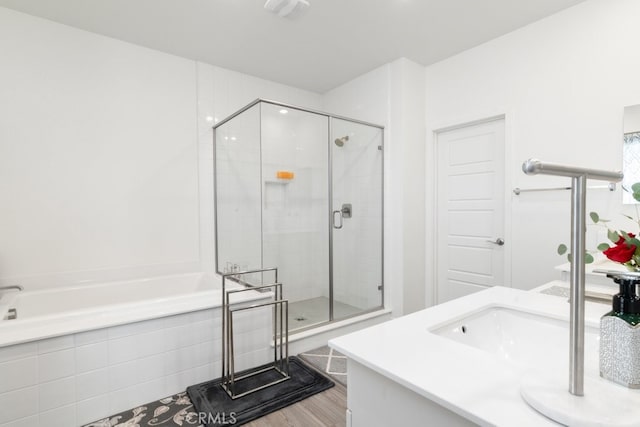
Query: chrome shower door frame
x: 330, y: 118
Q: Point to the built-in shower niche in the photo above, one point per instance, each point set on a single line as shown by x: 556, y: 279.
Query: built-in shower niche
x: 282, y: 175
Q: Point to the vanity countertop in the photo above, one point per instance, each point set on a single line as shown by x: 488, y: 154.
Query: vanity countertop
x: 592, y: 278
x: 471, y: 382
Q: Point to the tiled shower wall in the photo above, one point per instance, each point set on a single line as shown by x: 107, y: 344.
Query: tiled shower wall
x: 357, y: 180
x: 266, y: 221
x: 295, y: 211
x: 79, y: 378
x: 222, y: 92
x: 238, y: 193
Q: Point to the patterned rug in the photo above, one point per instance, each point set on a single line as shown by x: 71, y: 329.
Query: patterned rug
x: 176, y: 410
x: 329, y: 361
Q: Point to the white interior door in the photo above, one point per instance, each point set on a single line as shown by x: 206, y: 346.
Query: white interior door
x: 470, y: 217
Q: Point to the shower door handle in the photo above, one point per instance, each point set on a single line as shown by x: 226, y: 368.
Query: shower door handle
x: 339, y: 212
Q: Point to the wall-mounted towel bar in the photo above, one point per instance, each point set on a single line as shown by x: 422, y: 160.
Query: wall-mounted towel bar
x: 611, y: 187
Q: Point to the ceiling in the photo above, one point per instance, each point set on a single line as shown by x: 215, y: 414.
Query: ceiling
x: 330, y: 44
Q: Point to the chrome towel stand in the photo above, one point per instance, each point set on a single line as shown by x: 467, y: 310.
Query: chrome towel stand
x: 578, y: 187
x: 611, y: 187
x: 280, y: 306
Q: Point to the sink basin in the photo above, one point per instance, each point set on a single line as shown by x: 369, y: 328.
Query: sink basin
x: 540, y: 346
x: 522, y: 338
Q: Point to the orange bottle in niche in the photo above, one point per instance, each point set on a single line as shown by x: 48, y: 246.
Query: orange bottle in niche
x: 284, y: 175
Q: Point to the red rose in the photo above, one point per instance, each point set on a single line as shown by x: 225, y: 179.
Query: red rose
x: 622, y: 252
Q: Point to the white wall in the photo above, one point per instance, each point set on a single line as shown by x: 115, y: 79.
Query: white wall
x: 406, y: 113
x: 562, y: 83
x: 106, y: 154
x: 106, y: 159
x: 632, y: 119
x: 97, y: 155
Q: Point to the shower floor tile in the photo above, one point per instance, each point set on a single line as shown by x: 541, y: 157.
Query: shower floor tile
x: 316, y: 310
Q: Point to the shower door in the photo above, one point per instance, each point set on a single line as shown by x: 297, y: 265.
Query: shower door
x: 356, y: 218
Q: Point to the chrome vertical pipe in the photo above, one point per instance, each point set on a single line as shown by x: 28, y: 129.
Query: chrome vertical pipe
x: 330, y: 194
x: 576, y: 321
x: 579, y: 178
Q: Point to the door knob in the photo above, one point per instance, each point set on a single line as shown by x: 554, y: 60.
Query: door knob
x: 499, y: 241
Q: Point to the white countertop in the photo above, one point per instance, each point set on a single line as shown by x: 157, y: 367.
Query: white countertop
x: 470, y: 382
x: 600, y: 279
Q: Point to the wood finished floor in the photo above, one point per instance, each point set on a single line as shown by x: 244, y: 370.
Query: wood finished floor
x: 326, y: 409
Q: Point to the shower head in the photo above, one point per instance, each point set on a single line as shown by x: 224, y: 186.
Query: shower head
x: 340, y: 141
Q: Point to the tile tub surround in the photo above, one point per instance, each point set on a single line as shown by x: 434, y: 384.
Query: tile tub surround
x: 468, y: 382
x: 78, y: 378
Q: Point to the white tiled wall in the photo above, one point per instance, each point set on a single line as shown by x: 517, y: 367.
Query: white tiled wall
x: 294, y: 214
x: 130, y: 151
x: 98, y: 154
x: 222, y: 92
x: 238, y: 191
x: 76, y: 379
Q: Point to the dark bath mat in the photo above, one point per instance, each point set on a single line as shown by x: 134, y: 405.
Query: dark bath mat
x: 209, y: 397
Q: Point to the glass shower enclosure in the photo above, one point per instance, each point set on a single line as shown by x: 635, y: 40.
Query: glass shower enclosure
x: 302, y: 191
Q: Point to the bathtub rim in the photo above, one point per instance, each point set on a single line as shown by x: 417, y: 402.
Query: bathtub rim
x: 19, y: 331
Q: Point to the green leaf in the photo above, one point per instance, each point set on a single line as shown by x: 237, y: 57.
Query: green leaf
x: 636, y: 196
x: 603, y: 246
x: 588, y: 258
x: 636, y: 187
x: 562, y: 249
x: 613, y: 236
x: 594, y: 216
x: 635, y: 242
x: 629, y: 217
x: 569, y: 258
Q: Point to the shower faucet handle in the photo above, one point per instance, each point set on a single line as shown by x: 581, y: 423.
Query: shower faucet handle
x: 347, y: 210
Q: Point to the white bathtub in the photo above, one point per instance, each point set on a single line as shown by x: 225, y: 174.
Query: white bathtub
x: 49, y: 313
x: 85, y: 352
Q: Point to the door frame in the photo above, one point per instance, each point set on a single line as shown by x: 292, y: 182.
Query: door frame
x: 432, y: 202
